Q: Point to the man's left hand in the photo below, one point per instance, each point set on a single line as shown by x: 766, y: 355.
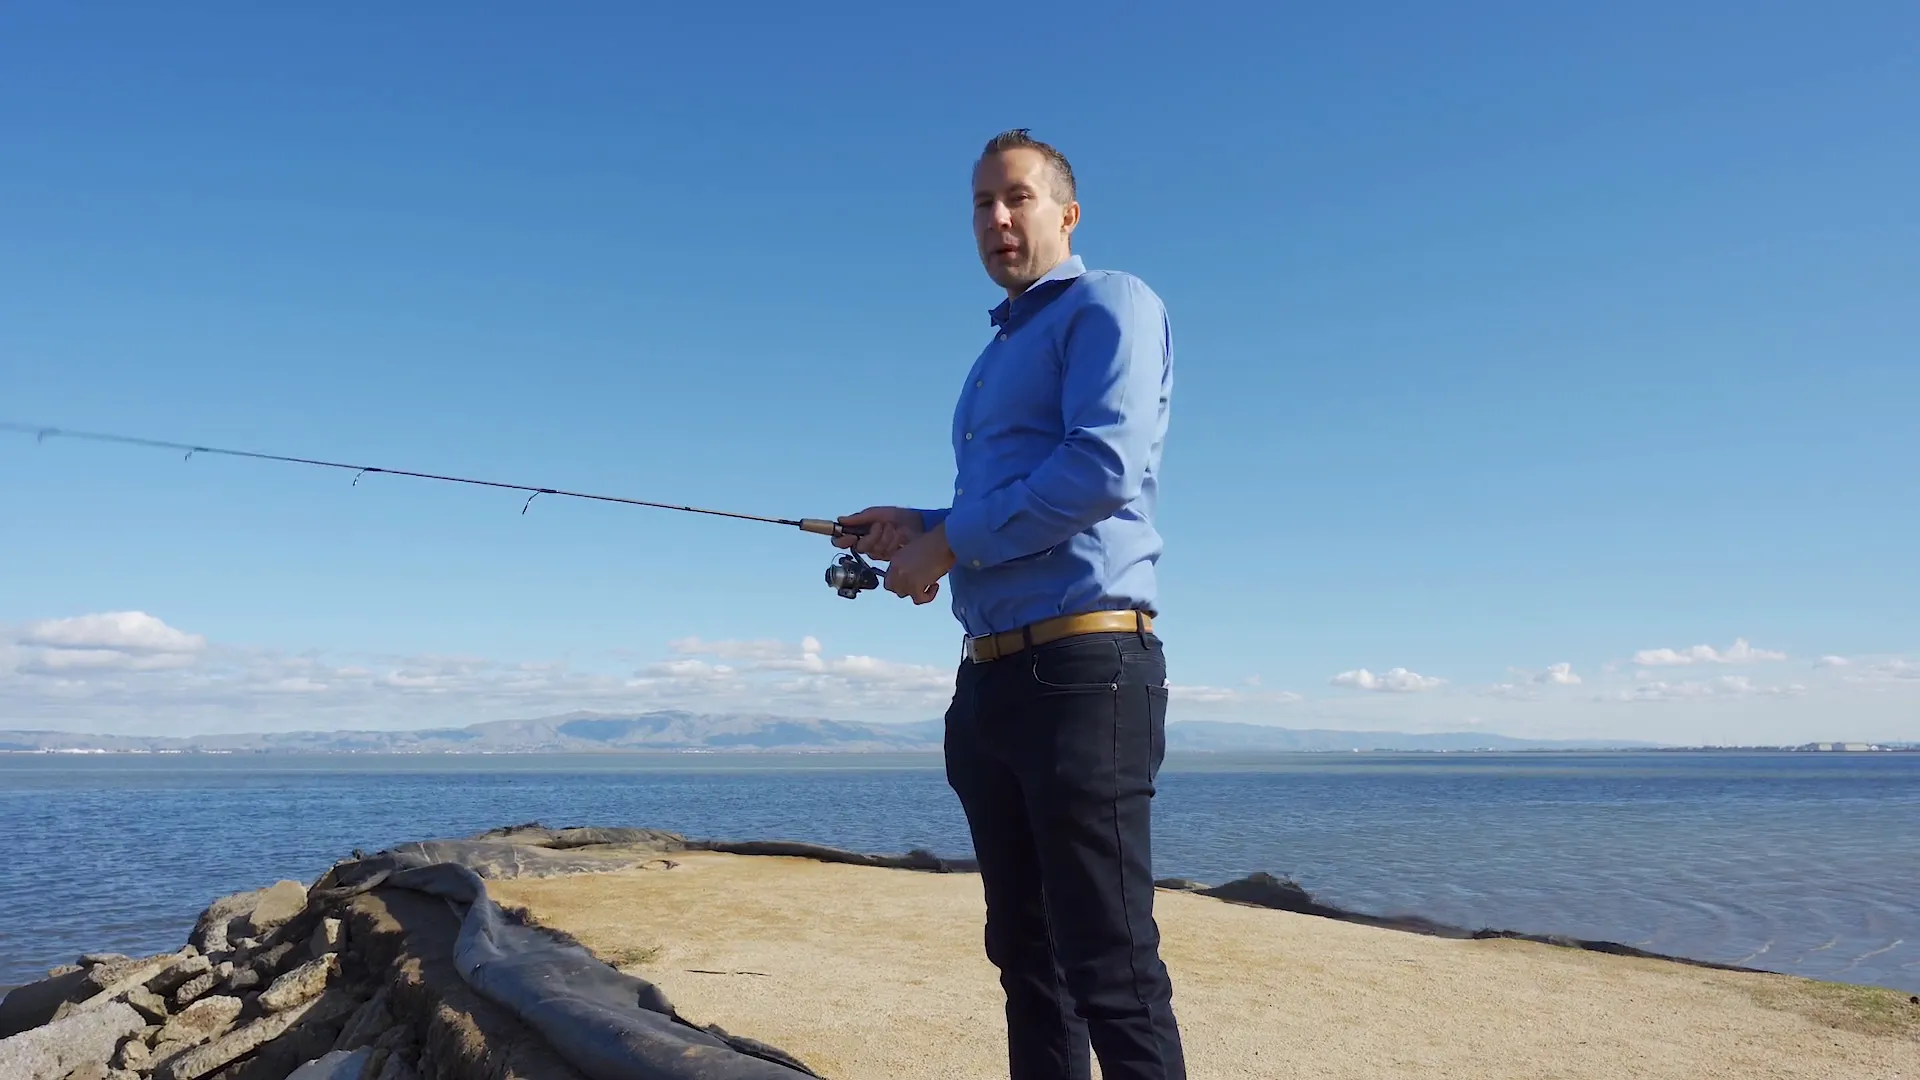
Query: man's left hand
x: 916, y: 569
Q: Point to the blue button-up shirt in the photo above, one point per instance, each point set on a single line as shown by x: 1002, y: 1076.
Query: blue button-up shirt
x: 1056, y: 445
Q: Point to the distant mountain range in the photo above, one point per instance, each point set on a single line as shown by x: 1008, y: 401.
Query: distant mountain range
x: 671, y: 730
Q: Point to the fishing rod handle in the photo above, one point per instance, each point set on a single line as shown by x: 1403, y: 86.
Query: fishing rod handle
x: 829, y: 528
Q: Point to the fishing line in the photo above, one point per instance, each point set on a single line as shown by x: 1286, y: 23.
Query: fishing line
x: 849, y: 575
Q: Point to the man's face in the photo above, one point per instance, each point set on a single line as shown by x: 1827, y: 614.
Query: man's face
x: 1019, y: 224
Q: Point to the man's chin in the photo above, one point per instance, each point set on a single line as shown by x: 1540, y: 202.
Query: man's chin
x: 1008, y: 276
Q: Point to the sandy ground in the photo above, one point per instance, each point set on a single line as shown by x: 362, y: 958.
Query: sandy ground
x: 870, y: 974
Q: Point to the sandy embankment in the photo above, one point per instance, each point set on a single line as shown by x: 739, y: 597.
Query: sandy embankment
x: 877, y: 973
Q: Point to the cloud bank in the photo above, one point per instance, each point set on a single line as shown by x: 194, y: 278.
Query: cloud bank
x: 1395, y: 681
x: 130, y: 671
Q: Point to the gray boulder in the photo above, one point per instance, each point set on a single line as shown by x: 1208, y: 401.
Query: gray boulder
x: 278, y: 905
x: 203, y: 1021
x: 72, y: 1042
x: 27, y: 1007
x: 335, y: 1065
x: 210, y: 933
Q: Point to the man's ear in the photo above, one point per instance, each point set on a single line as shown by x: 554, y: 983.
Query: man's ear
x: 1070, y: 218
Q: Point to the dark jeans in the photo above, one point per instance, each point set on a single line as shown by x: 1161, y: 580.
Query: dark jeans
x: 1053, y: 752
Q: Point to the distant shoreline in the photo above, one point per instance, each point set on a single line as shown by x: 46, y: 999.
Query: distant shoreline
x: 668, y: 751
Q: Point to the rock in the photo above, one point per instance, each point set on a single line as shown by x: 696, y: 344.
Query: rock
x: 98, y: 958
x: 241, y: 979
x: 398, y: 1068
x: 301, y: 984
x: 92, y: 1070
x: 202, y: 1060
x: 335, y: 1065
x: 193, y: 989
x: 330, y: 936
x: 27, y: 1007
x: 277, y: 905
x: 273, y: 961
x: 368, y: 1024
x: 134, y: 1055
x: 184, y: 967
x: 210, y: 932
x: 1262, y: 889
x: 148, y: 1004
x: 56, y: 1049
x: 107, y: 981
x: 58, y: 970
x: 164, y: 1052
x: 203, y: 1021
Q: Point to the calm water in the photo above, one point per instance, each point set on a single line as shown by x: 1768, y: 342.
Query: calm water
x: 1800, y: 863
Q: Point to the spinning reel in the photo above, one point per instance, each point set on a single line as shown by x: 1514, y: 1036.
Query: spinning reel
x: 850, y: 575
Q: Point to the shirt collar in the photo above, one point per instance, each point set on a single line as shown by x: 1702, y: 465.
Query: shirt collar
x: 1069, y: 268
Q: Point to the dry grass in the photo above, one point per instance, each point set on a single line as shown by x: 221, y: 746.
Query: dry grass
x: 879, y: 973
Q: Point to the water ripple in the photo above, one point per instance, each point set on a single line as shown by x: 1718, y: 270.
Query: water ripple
x: 1800, y: 863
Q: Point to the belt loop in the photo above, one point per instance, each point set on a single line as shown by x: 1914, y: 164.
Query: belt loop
x: 1140, y: 626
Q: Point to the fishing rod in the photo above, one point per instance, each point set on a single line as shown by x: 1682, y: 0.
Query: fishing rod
x: 850, y: 575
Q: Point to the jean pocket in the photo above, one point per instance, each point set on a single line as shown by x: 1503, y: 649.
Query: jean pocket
x: 1094, y: 664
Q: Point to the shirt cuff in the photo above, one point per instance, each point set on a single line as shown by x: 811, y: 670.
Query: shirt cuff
x: 969, y: 538
x: 931, y: 519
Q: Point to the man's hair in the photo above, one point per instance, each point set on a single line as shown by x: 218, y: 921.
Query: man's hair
x: 1018, y: 139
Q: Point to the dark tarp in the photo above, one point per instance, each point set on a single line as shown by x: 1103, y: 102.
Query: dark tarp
x: 607, y: 1024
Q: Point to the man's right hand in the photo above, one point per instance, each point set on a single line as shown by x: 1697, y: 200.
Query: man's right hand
x: 888, y: 529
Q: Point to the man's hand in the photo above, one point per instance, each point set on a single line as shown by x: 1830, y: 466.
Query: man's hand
x: 918, y: 567
x: 888, y: 529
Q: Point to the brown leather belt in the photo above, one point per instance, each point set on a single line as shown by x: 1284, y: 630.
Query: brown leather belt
x: 994, y: 646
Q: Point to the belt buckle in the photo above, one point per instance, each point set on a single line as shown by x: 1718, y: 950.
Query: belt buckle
x: 975, y: 648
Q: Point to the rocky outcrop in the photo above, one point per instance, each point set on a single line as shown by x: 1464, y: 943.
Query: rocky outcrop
x: 395, y: 967
x: 255, y: 1005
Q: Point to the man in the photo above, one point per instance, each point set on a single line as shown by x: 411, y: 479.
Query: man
x: 1056, y: 731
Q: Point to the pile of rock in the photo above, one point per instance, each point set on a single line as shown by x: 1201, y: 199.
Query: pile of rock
x: 265, y: 989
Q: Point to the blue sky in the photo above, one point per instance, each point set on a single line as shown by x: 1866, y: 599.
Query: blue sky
x: 1505, y: 338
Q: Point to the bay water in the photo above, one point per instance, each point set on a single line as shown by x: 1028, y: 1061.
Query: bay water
x: 1805, y: 863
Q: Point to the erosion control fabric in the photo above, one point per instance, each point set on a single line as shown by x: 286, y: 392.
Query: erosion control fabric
x: 607, y: 1024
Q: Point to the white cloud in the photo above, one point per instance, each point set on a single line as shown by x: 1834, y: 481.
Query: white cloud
x: 53, y: 661
x: 758, y: 649
x: 1395, y: 681
x: 1558, y: 675
x: 110, y: 673
x: 1723, y: 686
x: 1197, y: 694
x: 1896, y: 669
x: 686, y: 669
x: 1832, y: 662
x: 1738, y: 653
x: 1510, y: 690
x: 133, y: 632
x: 114, y: 641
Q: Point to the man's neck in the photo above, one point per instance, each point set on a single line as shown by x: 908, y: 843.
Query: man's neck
x: 1020, y: 290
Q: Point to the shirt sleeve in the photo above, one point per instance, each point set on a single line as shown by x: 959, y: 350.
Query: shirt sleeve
x: 931, y: 519
x: 1117, y: 354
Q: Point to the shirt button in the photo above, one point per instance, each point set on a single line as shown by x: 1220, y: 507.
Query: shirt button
x: 976, y: 562
x: 969, y: 435
x: 979, y: 382
x: 1003, y: 335
x: 959, y: 491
